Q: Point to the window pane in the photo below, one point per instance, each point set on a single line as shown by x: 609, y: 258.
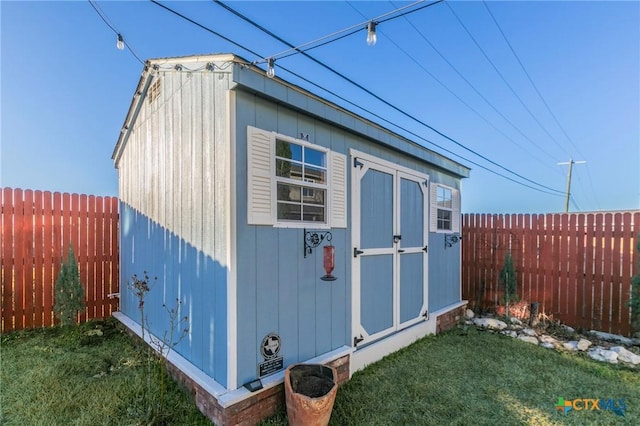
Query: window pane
x: 288, y: 169
x: 313, y: 196
x: 444, y: 197
x: 313, y: 214
x: 288, y: 192
x: 444, y: 219
x: 288, y: 150
x: 317, y: 158
x: 314, y: 174
x: 289, y: 211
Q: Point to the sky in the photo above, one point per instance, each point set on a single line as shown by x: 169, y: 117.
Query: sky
x: 509, y: 88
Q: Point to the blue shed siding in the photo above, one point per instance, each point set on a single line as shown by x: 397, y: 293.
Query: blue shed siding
x: 444, y: 273
x: 278, y: 289
x: 184, y: 273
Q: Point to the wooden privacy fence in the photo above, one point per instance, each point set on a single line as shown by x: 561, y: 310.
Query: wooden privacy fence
x: 36, y: 230
x: 578, y: 267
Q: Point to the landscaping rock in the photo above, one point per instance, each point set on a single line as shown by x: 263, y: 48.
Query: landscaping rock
x: 548, y: 341
x: 529, y: 332
x: 509, y: 333
x: 583, y: 344
x: 469, y: 314
x: 490, y: 323
x: 569, y: 329
x: 528, y: 339
x: 516, y: 321
x: 625, y: 355
x: 601, y: 354
x: 571, y: 346
x: 612, y: 337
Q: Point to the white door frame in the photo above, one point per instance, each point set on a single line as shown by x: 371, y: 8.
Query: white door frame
x: 398, y: 172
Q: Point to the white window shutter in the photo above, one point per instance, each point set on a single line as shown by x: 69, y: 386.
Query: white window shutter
x: 338, y: 189
x: 455, y: 203
x: 433, y: 207
x: 260, y: 176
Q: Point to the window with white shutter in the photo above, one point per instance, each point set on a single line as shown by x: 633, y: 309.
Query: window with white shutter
x: 294, y: 183
x: 444, y: 209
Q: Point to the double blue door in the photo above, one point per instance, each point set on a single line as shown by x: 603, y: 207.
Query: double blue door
x: 390, y: 225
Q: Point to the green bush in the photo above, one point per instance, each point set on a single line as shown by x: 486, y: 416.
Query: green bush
x: 509, y: 282
x: 69, y: 293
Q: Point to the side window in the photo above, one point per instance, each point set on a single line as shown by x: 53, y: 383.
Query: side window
x: 444, y: 209
x: 294, y: 183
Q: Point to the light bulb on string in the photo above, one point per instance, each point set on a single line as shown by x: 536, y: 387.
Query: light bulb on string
x: 371, y: 33
x: 271, y: 71
x: 120, y: 42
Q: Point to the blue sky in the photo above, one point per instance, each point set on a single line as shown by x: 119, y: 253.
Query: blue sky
x: 65, y: 88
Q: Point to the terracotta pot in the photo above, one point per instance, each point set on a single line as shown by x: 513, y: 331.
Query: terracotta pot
x: 310, y: 390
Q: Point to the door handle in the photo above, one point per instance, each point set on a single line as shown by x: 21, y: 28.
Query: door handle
x: 397, y: 238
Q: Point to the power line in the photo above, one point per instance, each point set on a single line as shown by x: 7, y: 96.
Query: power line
x: 360, y: 26
x: 475, y: 90
x: 544, y: 101
x: 535, y: 87
x: 493, y: 65
x: 244, y: 48
x: 111, y: 26
x: 384, y: 101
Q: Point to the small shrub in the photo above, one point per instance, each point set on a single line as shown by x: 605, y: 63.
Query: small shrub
x: 69, y: 293
x: 508, y: 282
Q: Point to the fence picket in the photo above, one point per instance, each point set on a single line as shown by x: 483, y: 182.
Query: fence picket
x: 38, y: 256
x: 48, y: 277
x: 8, y: 277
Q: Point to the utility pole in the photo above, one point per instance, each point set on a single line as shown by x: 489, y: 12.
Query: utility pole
x: 570, y: 163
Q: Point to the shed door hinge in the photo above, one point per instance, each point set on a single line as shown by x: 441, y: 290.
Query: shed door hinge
x: 357, y: 340
x: 357, y: 163
x: 425, y: 249
x: 356, y: 252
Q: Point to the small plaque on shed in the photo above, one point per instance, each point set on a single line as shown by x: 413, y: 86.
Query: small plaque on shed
x: 269, y: 348
x: 270, y: 366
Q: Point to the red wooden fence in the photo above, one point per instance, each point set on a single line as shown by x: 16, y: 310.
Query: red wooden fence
x: 36, y: 230
x: 578, y: 267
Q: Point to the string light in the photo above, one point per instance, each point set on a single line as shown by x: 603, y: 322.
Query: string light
x: 120, y: 42
x: 271, y: 71
x: 371, y: 33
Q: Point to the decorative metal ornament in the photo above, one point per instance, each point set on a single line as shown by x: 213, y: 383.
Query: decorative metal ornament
x: 312, y: 239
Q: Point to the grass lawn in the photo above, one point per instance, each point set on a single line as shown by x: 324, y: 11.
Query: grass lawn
x: 473, y: 377
x: 73, y: 377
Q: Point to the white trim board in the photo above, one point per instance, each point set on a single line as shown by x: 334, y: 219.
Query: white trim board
x: 232, y: 256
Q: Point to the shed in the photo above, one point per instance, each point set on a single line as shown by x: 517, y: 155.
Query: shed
x: 234, y: 187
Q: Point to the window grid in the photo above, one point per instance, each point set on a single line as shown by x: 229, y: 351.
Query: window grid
x: 297, y: 164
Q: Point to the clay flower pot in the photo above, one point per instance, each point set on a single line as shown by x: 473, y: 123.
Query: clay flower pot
x: 310, y: 390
